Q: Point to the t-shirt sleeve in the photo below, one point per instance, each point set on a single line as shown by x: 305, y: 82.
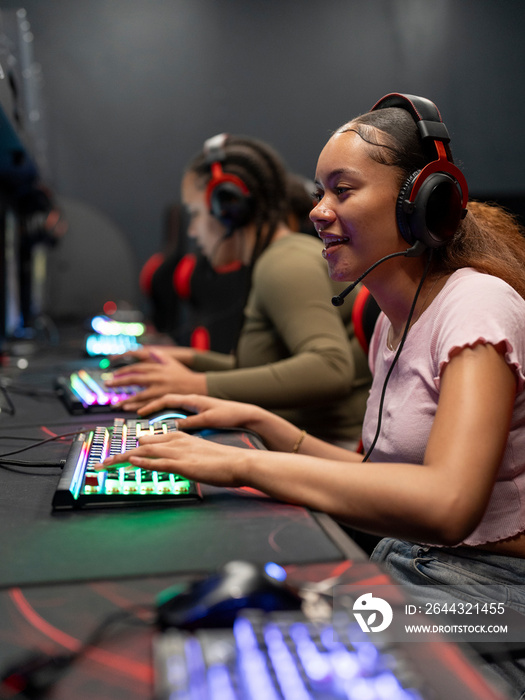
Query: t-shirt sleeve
x: 485, y: 310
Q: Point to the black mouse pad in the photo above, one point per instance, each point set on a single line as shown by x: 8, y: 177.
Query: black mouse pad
x: 39, y: 546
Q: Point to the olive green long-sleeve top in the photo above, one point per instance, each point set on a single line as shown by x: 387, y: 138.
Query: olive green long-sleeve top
x: 297, y: 354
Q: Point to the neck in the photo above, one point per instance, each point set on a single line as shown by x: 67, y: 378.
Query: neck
x: 395, y: 291
x: 393, y: 285
x: 429, y: 290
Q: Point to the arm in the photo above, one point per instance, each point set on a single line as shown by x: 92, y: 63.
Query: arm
x: 294, y: 348
x: 303, y: 356
x: 155, y: 353
x: 277, y: 433
x: 440, y: 501
x: 162, y: 370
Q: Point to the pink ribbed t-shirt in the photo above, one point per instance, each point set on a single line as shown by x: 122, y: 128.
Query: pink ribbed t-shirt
x: 471, y: 308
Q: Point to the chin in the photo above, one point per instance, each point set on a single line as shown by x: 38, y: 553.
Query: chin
x: 338, y: 275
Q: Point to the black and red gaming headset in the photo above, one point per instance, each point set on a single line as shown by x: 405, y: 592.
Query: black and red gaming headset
x: 228, y: 197
x: 432, y: 201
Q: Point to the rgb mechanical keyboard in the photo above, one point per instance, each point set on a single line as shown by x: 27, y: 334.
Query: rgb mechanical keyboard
x: 283, y: 656
x: 80, y: 486
x: 84, y: 391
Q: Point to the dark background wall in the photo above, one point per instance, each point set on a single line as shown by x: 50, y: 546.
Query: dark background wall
x: 131, y: 88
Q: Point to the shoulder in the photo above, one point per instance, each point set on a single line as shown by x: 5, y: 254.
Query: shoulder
x: 299, y: 243
x: 291, y: 255
x: 469, y: 289
x: 469, y: 278
x: 477, y: 308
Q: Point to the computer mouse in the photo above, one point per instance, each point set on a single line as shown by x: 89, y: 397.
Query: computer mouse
x: 168, y: 414
x: 216, y: 600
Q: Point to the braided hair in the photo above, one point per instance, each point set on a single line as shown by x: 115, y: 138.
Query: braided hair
x: 263, y: 172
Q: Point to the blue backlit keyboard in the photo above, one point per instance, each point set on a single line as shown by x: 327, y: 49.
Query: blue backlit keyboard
x: 283, y: 656
x: 80, y: 486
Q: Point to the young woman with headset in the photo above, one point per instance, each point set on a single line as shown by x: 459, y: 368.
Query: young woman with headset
x: 445, y: 421
x: 296, y: 355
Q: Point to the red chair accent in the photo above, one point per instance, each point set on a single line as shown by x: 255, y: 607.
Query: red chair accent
x: 182, y: 275
x: 200, y: 338
x: 357, y: 317
x: 364, y: 316
x: 149, y: 268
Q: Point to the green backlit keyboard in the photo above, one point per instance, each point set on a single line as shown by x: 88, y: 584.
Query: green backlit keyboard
x: 80, y: 486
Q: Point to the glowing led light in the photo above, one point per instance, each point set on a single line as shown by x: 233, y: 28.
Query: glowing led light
x: 286, y: 671
x: 275, y: 571
x: 109, y: 308
x: 102, y: 396
x: 107, y: 326
x: 81, y: 390
x: 97, y: 344
x: 166, y: 416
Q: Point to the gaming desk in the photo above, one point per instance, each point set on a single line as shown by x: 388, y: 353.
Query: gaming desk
x: 62, y: 573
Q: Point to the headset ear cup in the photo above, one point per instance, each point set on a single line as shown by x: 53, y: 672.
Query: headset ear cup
x: 443, y: 208
x: 434, y: 215
x: 232, y: 207
x: 402, y: 208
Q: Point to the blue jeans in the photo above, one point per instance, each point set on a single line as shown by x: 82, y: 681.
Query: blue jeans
x: 499, y: 579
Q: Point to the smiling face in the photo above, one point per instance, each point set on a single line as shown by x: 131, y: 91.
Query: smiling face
x: 355, y: 211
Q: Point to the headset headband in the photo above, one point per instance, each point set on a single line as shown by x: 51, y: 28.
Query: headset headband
x: 433, y: 200
x: 215, y: 156
x: 430, y: 127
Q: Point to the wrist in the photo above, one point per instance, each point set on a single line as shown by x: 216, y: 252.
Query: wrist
x: 183, y: 355
x: 299, y: 441
x: 278, y: 434
x: 198, y: 382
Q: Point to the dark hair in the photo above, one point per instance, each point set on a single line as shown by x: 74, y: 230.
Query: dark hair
x: 300, y: 203
x: 488, y: 239
x: 264, y: 173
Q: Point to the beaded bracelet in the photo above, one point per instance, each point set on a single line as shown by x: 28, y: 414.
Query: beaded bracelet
x: 299, y: 442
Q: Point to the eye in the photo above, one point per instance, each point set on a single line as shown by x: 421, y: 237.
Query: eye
x: 342, y: 190
x: 317, y: 196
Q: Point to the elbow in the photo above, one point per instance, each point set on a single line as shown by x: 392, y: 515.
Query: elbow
x: 454, y: 522
x: 340, y: 378
x: 450, y: 537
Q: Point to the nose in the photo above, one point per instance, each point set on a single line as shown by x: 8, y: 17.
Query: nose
x: 191, y: 229
x: 321, y: 215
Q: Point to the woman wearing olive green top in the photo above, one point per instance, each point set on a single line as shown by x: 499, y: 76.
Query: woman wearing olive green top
x: 296, y: 354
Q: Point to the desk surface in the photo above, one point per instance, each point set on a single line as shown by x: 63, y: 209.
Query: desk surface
x: 61, y: 574
x: 41, y: 547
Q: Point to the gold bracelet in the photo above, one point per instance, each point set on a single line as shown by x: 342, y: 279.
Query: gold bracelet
x: 299, y: 442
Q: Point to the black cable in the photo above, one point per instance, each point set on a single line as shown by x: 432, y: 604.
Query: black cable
x: 36, y: 465
x: 41, y: 442
x: 9, y: 464
x: 396, y: 357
